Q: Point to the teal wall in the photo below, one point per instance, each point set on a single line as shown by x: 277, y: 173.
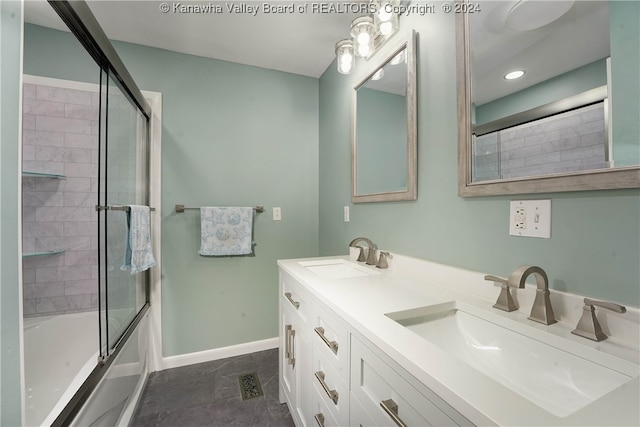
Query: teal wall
x: 625, y: 66
x: 571, y: 83
x: 233, y: 135
x: 595, y: 244
x: 10, y: 70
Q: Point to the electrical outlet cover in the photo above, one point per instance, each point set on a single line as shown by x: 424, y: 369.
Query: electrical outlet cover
x: 530, y: 218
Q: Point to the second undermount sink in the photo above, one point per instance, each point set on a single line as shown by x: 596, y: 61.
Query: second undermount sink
x: 559, y: 379
x: 337, y: 268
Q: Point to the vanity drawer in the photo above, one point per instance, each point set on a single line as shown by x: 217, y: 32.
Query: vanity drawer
x: 330, y: 387
x: 331, y: 338
x: 323, y: 416
x: 294, y: 296
x: 387, y: 396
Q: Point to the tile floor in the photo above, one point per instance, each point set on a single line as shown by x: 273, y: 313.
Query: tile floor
x: 208, y: 394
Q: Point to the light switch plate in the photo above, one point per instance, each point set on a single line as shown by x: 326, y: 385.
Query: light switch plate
x: 346, y: 213
x: 277, y: 214
x: 530, y: 218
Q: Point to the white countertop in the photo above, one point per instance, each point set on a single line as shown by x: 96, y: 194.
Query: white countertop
x: 411, y: 283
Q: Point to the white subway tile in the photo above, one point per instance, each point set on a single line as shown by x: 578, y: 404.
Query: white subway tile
x: 43, y: 108
x: 60, y: 124
x: 47, y: 213
x: 85, y: 112
x: 72, y: 96
x: 28, y: 91
x: 42, y: 229
x: 39, y: 137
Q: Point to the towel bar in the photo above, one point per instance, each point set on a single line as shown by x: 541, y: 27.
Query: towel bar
x: 182, y: 208
x: 116, y: 208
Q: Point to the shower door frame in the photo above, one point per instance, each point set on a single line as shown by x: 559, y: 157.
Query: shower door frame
x: 82, y: 23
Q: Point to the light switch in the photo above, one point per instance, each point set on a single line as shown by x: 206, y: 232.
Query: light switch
x: 530, y: 218
x: 277, y: 214
x: 346, y: 214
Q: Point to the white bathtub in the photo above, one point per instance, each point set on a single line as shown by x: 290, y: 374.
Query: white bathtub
x: 59, y: 354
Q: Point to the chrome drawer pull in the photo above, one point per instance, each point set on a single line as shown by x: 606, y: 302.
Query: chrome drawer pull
x: 296, y: 304
x: 391, y: 408
x: 287, y: 342
x: 333, y: 394
x: 333, y: 345
x: 319, y: 419
x: 292, y: 359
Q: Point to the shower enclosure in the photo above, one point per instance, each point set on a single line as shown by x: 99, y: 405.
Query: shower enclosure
x: 86, y: 158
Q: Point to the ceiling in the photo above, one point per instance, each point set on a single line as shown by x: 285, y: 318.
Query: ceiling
x: 298, y: 43
x: 579, y: 36
x: 304, y: 43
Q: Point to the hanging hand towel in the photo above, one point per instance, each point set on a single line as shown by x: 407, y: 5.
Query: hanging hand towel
x: 226, y: 231
x: 138, y: 254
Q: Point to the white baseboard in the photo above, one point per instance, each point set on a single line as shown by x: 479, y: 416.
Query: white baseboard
x: 218, y: 353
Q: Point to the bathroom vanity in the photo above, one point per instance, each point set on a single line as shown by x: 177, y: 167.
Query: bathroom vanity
x: 420, y: 344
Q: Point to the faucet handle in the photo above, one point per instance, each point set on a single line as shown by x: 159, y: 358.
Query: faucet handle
x: 604, y: 304
x: 588, y: 325
x: 361, y: 257
x: 382, y: 261
x: 505, y: 301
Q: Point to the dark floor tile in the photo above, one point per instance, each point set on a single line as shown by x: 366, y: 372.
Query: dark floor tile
x: 208, y: 394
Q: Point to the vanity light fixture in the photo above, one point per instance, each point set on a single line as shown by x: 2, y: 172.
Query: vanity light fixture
x: 362, y: 33
x: 344, y: 55
x: 514, y: 75
x: 367, y: 34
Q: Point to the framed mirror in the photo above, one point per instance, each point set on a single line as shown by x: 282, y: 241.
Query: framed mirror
x: 384, y: 127
x: 570, y: 122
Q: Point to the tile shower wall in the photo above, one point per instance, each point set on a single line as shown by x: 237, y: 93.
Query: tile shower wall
x: 567, y: 142
x: 60, y: 136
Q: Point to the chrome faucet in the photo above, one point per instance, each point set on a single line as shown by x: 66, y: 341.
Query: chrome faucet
x: 371, y: 258
x: 541, y: 312
x: 588, y: 325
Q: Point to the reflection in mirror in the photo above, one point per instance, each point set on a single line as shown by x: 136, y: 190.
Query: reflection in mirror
x: 384, y: 130
x: 571, y: 116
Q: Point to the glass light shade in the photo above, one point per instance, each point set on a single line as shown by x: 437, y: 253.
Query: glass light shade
x: 362, y: 33
x: 378, y: 74
x: 399, y: 58
x: 385, y: 20
x: 344, y: 56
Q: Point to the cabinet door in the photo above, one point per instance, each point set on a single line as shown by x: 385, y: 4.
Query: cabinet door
x: 387, y: 396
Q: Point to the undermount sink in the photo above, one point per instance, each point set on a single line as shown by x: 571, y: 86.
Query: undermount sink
x: 337, y: 268
x: 558, y: 378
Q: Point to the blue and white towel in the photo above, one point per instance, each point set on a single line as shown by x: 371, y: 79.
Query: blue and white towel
x: 226, y: 231
x: 138, y: 254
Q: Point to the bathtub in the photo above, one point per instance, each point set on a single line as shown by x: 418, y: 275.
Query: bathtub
x: 59, y: 354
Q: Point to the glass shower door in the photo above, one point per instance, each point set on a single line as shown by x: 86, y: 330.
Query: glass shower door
x: 124, y: 181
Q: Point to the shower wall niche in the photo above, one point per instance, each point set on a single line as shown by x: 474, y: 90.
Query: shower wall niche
x: 60, y: 191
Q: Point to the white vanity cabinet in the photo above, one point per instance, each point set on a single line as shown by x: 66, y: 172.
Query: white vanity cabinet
x: 332, y: 376
x: 295, y: 349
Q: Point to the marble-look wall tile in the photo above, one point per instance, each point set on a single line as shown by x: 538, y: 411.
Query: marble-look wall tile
x: 60, y: 136
x: 43, y: 108
x: 71, y: 96
x: 59, y: 124
x: 40, y: 137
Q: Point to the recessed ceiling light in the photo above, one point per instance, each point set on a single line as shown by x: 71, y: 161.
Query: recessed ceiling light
x: 514, y: 75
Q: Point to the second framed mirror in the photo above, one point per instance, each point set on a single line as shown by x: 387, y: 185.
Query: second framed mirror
x: 384, y: 127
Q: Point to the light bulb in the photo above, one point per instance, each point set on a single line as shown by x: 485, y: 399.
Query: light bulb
x: 363, y: 50
x: 364, y: 38
x: 398, y: 58
x: 378, y: 74
x: 386, y: 28
x: 385, y: 12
